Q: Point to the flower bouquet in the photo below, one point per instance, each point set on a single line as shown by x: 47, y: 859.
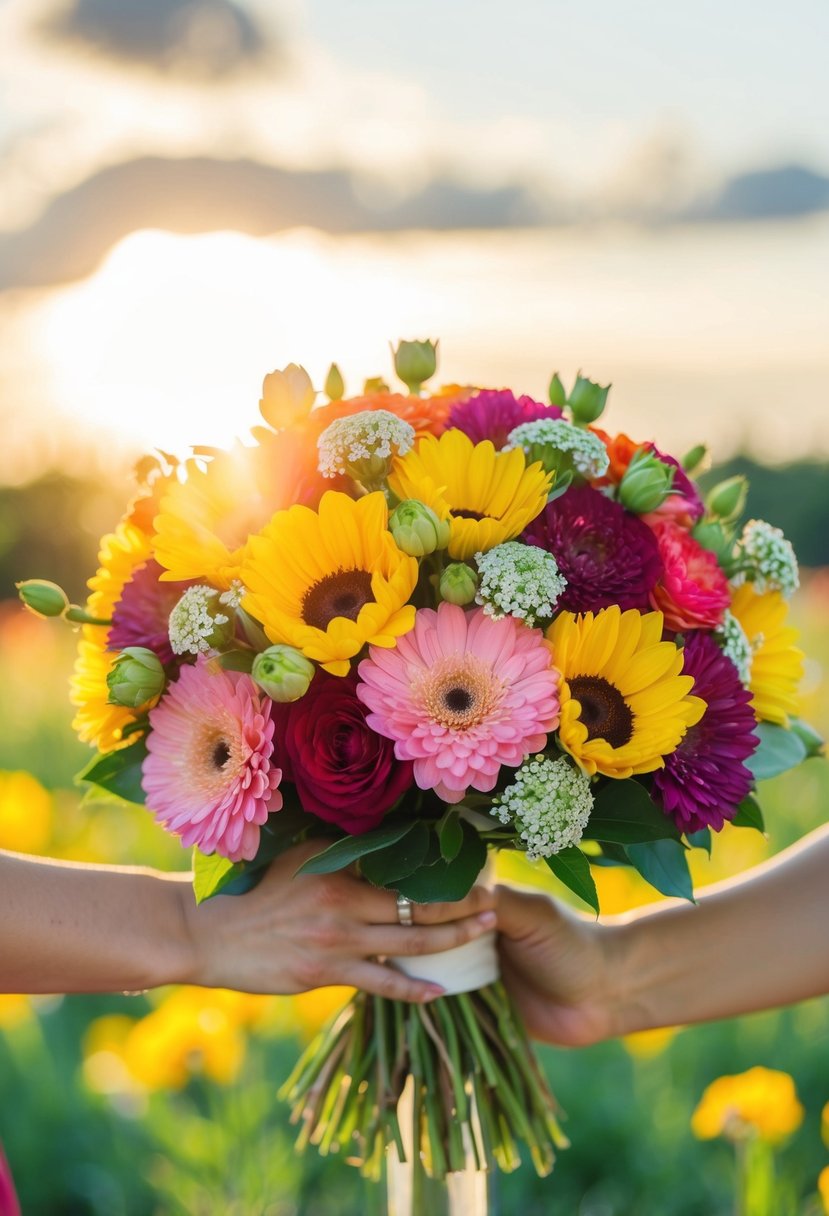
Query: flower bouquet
x: 433, y: 625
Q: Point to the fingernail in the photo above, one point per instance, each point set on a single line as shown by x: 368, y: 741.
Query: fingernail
x: 487, y: 919
x: 432, y: 993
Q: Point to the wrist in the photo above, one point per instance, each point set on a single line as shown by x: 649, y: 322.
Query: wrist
x: 630, y: 994
x: 185, y: 963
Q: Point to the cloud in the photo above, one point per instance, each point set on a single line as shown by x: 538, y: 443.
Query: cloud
x: 199, y: 194
x: 198, y: 39
x: 784, y: 192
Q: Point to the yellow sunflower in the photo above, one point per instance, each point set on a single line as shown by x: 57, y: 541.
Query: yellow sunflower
x: 204, y: 521
x: 331, y: 580
x: 121, y: 554
x: 488, y: 496
x: 777, y: 664
x: 624, y: 703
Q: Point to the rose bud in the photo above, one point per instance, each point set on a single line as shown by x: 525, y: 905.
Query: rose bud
x: 646, y: 483
x: 727, y: 500
x: 458, y: 584
x: 283, y: 673
x: 417, y: 530
x: 137, y: 678
x: 42, y: 597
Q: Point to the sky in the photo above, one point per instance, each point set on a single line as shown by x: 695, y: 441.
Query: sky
x: 193, y: 192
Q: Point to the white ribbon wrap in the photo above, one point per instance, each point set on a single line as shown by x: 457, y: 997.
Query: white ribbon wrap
x: 461, y: 969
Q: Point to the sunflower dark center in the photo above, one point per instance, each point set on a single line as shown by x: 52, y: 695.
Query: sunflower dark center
x: 462, y: 513
x: 220, y: 754
x: 458, y: 700
x: 604, y: 711
x: 340, y: 594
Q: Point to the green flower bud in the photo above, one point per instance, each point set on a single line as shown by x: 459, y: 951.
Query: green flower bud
x: 692, y: 460
x: 415, y: 362
x: 137, y: 678
x: 42, y: 597
x: 374, y: 384
x: 646, y: 483
x: 556, y: 391
x: 283, y: 673
x: 727, y: 500
x: 417, y: 530
x: 719, y: 540
x: 587, y: 400
x: 334, y: 386
x: 458, y: 584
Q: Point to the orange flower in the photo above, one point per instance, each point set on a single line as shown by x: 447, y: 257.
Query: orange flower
x: 428, y: 415
x: 621, y: 449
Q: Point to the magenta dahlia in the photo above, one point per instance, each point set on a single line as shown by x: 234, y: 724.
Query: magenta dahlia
x: 209, y: 776
x: 606, y: 553
x: 141, y: 616
x: 705, y: 779
x: 461, y: 695
x: 493, y: 413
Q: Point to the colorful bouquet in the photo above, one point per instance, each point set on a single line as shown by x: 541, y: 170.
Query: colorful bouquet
x: 433, y: 626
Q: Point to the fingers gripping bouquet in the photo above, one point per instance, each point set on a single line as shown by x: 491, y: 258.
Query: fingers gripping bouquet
x: 431, y: 626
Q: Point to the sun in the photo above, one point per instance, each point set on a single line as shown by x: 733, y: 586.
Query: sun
x: 168, y: 342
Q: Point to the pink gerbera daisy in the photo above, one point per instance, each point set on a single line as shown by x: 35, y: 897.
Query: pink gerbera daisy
x: 462, y: 694
x: 209, y: 777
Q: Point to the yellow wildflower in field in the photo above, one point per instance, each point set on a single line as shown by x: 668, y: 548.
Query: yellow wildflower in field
x: 313, y: 1009
x: 761, y: 1102
x: 14, y: 1010
x: 824, y: 1124
x: 25, y: 813
x: 645, y: 1044
x: 823, y: 1188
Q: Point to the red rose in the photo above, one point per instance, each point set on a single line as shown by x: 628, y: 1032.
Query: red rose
x: 693, y: 591
x: 343, y: 771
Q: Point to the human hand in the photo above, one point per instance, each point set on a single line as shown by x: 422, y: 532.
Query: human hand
x: 558, y: 967
x: 298, y: 931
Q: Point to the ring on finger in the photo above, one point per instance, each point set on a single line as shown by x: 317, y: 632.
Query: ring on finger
x: 404, y: 911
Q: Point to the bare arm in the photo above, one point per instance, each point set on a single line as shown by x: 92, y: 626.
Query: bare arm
x: 80, y: 928
x: 753, y: 943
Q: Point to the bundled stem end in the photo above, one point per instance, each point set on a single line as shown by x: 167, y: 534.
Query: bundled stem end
x: 477, y: 1089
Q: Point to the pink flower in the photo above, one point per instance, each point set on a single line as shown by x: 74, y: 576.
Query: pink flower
x: 209, y: 777
x: 693, y: 591
x: 462, y: 694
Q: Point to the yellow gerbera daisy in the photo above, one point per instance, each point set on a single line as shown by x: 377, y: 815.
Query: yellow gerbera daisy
x: 777, y: 664
x: 121, y: 554
x: 488, y: 496
x: 624, y: 703
x: 331, y: 580
x: 205, y: 520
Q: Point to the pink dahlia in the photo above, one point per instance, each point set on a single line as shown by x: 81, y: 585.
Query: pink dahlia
x: 693, y: 591
x: 142, y: 614
x: 493, y: 413
x: 705, y: 779
x: 462, y: 694
x: 209, y: 776
x: 607, y: 555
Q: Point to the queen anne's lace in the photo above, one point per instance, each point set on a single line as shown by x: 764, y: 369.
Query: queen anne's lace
x: 371, y: 438
x: 770, y: 557
x: 588, y: 453
x: 194, y: 619
x: 549, y: 802
x: 735, y: 645
x: 519, y: 580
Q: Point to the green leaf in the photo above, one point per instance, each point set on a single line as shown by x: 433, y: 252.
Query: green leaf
x: 562, y: 482
x: 118, y: 772
x: 700, y: 839
x: 779, y: 750
x: 749, y: 815
x: 212, y: 874
x: 447, y: 880
x: 237, y: 660
x: 664, y: 865
x: 345, y: 852
x: 571, y: 867
x: 623, y: 813
x: 397, y: 860
x: 450, y: 836
x: 814, y: 743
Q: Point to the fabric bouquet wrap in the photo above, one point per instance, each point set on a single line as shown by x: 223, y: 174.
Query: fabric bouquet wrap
x: 429, y: 625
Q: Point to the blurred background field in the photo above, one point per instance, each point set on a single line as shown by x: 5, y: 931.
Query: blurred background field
x: 166, y: 1102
